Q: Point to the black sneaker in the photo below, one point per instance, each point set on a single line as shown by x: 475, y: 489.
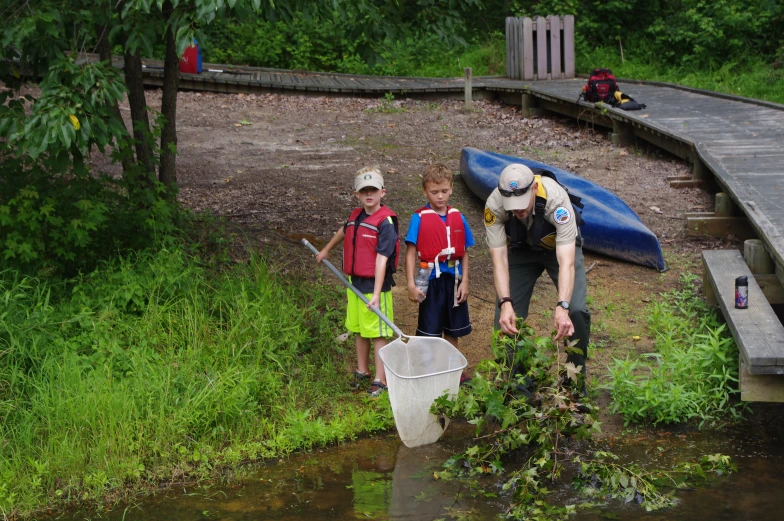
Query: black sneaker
x: 359, y: 381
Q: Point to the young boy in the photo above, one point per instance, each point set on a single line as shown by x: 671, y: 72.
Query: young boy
x: 440, y: 234
x: 370, y: 256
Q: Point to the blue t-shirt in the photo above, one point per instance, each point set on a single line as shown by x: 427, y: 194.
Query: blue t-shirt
x: 444, y: 266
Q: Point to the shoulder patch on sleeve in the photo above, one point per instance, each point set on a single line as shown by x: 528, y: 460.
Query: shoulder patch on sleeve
x: 561, y: 215
x: 490, y: 217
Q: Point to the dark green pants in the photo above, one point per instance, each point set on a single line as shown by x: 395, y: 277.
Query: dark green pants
x: 525, y: 267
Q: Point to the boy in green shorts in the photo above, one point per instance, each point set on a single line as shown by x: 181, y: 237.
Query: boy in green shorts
x: 370, y: 255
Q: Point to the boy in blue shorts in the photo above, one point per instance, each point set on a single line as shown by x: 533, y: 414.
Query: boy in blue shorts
x: 439, y: 234
x: 370, y: 256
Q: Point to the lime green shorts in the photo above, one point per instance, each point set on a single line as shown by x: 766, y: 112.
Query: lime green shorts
x: 359, y: 319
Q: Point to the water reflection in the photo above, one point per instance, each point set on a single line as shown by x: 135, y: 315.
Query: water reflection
x: 381, y: 479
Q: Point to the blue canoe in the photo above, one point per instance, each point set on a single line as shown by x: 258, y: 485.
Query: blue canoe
x: 611, y: 227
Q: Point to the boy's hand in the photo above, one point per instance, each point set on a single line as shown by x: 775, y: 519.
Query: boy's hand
x: 415, y: 294
x: 320, y: 256
x: 374, y: 301
x: 462, y: 291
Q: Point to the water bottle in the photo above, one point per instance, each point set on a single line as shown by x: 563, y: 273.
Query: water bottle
x: 742, y: 292
x: 422, y: 277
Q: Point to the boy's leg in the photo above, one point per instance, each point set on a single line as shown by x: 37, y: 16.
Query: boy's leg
x: 381, y: 376
x: 374, y: 329
x: 363, y: 354
x: 353, y: 324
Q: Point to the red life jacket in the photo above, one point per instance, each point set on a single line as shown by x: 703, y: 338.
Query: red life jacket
x: 359, y: 246
x: 439, y: 239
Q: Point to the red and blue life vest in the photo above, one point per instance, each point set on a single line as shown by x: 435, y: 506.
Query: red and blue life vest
x: 439, y: 240
x: 360, y: 243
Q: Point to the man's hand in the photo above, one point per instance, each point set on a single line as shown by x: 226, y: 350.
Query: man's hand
x: 320, y: 256
x: 415, y: 294
x: 508, y: 319
x: 462, y: 291
x: 563, y: 324
x: 374, y: 301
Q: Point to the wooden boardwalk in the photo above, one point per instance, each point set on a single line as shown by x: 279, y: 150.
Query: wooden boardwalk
x: 740, y: 142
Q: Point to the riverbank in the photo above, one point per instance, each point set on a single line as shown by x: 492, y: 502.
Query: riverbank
x: 162, y: 368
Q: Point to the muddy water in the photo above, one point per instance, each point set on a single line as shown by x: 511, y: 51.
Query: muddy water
x: 380, y: 478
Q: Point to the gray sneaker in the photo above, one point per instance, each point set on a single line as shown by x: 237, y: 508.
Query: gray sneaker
x: 376, y: 389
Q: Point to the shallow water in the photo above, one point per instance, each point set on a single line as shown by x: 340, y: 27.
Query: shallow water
x: 380, y: 478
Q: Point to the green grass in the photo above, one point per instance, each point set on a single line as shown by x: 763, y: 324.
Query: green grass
x: 153, y: 367
x: 693, y: 373
x: 752, y: 78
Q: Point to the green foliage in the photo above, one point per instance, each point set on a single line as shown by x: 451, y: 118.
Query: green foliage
x: 602, y: 475
x: 692, y: 374
x: 331, y: 43
x: 151, y: 366
x: 524, y: 408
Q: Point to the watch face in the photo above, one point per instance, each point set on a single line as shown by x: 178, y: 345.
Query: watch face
x: 563, y: 304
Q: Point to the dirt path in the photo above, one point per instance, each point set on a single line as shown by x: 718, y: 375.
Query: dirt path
x: 281, y: 167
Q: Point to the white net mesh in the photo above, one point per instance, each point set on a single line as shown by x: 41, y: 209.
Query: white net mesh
x: 419, y: 371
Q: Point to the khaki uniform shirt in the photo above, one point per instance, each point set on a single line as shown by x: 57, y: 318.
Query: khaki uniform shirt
x: 558, y: 211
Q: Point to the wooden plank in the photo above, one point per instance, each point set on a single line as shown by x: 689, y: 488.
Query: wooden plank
x: 541, y: 48
x: 760, y: 388
x: 720, y: 227
x: 528, y: 49
x: 757, y: 330
x: 568, y: 43
x: 555, y: 46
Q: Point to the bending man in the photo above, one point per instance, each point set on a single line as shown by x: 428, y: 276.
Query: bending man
x: 532, y: 226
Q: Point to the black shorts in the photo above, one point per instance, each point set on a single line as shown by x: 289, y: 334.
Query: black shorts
x: 437, y: 313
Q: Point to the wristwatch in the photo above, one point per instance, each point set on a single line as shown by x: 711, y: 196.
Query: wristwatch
x: 504, y: 300
x: 563, y: 304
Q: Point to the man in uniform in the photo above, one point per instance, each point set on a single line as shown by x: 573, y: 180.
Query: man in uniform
x: 532, y: 226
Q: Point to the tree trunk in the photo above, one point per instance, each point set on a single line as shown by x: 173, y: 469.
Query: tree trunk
x: 171, y: 79
x: 105, y: 55
x: 141, y: 122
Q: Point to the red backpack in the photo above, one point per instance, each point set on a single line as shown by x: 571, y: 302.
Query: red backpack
x: 601, y: 86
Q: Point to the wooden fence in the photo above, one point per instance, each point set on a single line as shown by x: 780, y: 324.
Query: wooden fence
x: 540, y: 49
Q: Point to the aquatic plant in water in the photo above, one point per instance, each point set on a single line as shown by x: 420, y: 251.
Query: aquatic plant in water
x: 526, y: 403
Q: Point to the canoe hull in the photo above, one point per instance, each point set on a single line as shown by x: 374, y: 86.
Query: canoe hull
x: 611, y: 227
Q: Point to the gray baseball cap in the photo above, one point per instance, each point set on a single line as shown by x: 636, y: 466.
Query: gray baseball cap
x: 515, y: 184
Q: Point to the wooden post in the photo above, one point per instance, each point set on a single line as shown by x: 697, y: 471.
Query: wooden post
x: 698, y: 169
x: 468, y: 88
x: 541, y: 48
x: 724, y: 206
x: 568, y: 43
x: 757, y: 258
x: 509, y: 47
x: 622, y: 134
x: 528, y: 49
x: 555, y: 47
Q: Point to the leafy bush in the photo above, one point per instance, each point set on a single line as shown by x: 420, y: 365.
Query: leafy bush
x: 692, y: 374
x: 525, y: 407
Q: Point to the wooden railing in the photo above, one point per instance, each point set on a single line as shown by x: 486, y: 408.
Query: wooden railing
x: 540, y: 49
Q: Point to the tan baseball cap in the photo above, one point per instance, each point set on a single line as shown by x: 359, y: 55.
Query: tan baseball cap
x: 368, y: 178
x: 515, y: 185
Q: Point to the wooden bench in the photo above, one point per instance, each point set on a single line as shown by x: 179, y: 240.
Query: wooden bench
x: 757, y: 331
